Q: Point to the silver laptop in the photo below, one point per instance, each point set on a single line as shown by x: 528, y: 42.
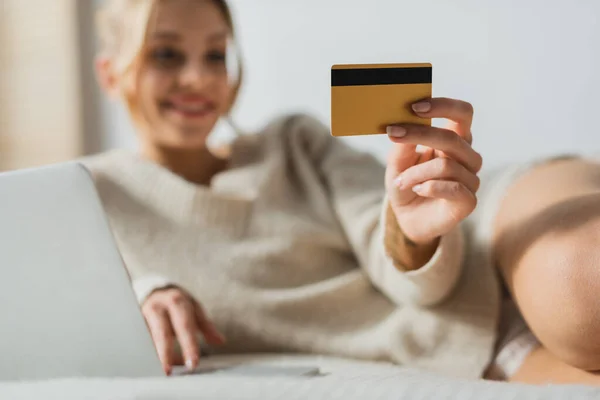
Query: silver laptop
x: 67, y: 308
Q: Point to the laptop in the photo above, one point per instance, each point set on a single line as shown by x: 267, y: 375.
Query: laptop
x: 66, y: 303
x: 67, y: 308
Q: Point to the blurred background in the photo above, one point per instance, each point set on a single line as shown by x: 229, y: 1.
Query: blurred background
x: 529, y: 67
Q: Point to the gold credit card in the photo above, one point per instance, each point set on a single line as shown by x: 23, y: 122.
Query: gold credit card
x: 366, y: 98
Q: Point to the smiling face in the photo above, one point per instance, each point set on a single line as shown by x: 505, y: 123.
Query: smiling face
x: 180, y: 86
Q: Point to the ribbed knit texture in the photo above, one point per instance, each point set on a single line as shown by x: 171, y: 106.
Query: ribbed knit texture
x: 285, y: 251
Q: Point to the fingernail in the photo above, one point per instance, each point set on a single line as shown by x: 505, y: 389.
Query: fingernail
x: 189, y: 364
x: 396, y: 131
x: 422, y: 107
x: 421, y: 149
x: 417, y: 188
x: 398, y: 182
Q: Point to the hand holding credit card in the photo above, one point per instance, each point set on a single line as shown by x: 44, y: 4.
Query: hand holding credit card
x: 431, y: 190
x: 366, y: 98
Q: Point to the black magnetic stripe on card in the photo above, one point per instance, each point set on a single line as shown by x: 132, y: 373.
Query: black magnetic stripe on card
x: 381, y: 76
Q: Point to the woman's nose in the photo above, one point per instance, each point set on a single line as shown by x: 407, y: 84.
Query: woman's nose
x: 194, y: 75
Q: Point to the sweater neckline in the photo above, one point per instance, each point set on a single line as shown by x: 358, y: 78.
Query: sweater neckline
x: 185, y: 201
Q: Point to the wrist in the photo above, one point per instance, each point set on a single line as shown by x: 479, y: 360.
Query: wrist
x: 416, y: 255
x: 407, y: 254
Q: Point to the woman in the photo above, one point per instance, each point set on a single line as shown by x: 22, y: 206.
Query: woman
x: 289, y: 240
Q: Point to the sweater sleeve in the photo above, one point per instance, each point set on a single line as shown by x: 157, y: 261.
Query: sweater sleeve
x: 146, y: 284
x: 355, y: 182
x: 143, y: 282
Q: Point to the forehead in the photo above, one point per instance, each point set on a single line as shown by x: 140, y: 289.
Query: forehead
x: 187, y: 16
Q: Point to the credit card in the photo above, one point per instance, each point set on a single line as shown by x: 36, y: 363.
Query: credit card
x: 366, y: 98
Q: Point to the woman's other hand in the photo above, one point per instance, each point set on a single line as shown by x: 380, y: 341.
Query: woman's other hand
x: 171, y: 313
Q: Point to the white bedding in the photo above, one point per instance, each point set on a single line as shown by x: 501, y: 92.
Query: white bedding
x: 340, y: 379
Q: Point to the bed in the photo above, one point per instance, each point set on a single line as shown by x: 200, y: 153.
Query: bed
x: 337, y: 379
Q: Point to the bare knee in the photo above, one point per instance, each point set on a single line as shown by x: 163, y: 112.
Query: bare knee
x: 547, y: 246
x: 557, y: 287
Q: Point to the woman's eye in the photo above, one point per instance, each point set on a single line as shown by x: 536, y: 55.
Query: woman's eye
x: 216, y: 57
x: 167, y: 57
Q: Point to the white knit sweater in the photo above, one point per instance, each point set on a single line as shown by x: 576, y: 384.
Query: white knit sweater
x: 285, y: 250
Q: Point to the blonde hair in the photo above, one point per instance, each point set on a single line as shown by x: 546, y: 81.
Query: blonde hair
x: 122, y: 27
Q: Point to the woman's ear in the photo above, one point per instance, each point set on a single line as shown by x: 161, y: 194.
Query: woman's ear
x: 107, y: 77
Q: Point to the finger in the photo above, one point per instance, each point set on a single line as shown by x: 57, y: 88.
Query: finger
x: 183, y: 319
x: 441, y: 168
x: 426, y: 154
x: 448, y: 190
x: 402, y: 157
x: 405, y: 195
x: 439, y: 139
x: 162, y: 335
x: 208, y: 329
x: 400, y: 160
x: 458, y: 111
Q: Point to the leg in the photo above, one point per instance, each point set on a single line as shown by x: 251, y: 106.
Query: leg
x: 542, y: 367
x: 547, y: 246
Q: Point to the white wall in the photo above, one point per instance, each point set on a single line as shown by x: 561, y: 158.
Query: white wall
x: 527, y: 66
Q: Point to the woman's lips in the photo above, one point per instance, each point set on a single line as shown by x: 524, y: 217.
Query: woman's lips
x: 192, y: 107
